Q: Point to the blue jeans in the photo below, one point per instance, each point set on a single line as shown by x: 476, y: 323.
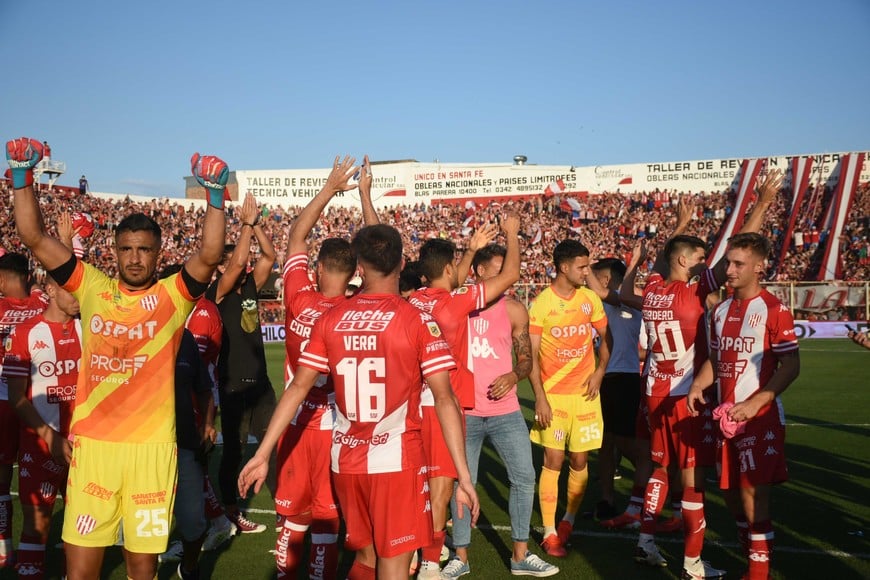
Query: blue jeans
x: 509, y: 436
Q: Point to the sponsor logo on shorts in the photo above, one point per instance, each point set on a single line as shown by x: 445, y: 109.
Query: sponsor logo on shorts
x: 587, y: 416
x: 85, y: 524
x: 403, y: 540
x: 560, y: 413
x: 98, y: 491
x: 149, y: 498
x: 283, y: 503
x: 746, y: 442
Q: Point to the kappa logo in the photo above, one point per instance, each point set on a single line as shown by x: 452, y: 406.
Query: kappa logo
x: 769, y: 436
x: 150, y: 302
x: 28, y: 458
x: 107, y: 296
x: 39, y: 345
x: 24, y: 473
x: 708, y: 439
x: 754, y: 320
x: 202, y: 313
x: 770, y: 451
x: 708, y: 426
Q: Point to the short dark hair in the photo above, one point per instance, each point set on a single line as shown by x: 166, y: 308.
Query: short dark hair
x: 336, y: 256
x: 755, y: 243
x: 378, y: 246
x: 615, y: 266
x: 485, y: 255
x: 435, y: 254
x: 139, y: 222
x: 409, y: 278
x: 567, y: 250
x: 17, y: 263
x: 681, y: 243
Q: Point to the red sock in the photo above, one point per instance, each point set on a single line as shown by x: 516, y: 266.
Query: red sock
x: 213, y: 507
x: 360, y: 572
x: 31, y: 557
x: 654, y: 499
x: 760, y: 548
x: 432, y: 552
x: 323, y: 562
x: 288, y: 546
x: 743, y: 534
x: 693, y: 522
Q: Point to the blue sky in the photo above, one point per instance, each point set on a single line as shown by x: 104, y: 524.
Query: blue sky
x: 124, y: 92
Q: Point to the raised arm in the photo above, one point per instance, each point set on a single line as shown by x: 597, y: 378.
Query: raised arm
x: 240, y: 257
x: 23, y: 154
x: 510, y: 270
x: 370, y: 216
x: 480, y: 238
x: 627, y: 295
x: 213, y: 174
x: 337, y: 181
x: 766, y: 188
x: 685, y: 211
x: 251, y: 219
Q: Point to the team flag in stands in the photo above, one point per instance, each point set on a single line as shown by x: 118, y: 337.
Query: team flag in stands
x: 536, y: 239
x: 800, y: 179
x: 570, y: 204
x: 555, y: 188
x: 468, y: 225
x: 749, y: 170
x: 850, y: 171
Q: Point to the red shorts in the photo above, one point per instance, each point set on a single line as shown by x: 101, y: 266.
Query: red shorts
x: 39, y: 477
x: 9, y: 428
x: 756, y: 456
x: 676, y: 436
x: 389, y: 510
x: 641, y: 423
x: 435, y: 450
x: 304, y: 479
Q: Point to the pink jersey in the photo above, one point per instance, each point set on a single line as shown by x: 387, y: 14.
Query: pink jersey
x: 491, y: 347
x: 303, y: 305
x: 14, y: 311
x: 451, y: 310
x: 378, y: 349
x: 47, y: 354
x: 673, y: 315
x: 748, y: 337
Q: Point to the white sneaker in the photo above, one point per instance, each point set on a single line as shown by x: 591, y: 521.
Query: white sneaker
x: 532, y: 565
x: 445, y: 553
x: 454, y: 569
x: 218, y: 533
x: 173, y: 553
x: 649, y: 554
x: 429, y: 571
x: 701, y: 570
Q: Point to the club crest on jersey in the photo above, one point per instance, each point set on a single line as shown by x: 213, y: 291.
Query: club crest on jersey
x: 753, y: 320
x: 434, y: 329
x: 481, y: 325
x: 587, y: 309
x: 148, y: 302
x: 461, y: 290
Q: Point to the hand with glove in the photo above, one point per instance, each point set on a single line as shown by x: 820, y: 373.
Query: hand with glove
x: 23, y: 154
x: 211, y: 173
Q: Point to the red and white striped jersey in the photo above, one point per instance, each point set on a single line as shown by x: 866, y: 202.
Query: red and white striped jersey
x: 14, y: 311
x: 378, y: 349
x: 47, y: 354
x: 451, y: 311
x: 673, y: 315
x: 303, y: 306
x: 205, y: 324
x: 748, y: 337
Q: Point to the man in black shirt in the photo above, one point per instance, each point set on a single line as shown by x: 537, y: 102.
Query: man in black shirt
x: 246, y: 395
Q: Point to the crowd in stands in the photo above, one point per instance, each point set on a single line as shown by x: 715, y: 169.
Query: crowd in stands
x: 609, y: 224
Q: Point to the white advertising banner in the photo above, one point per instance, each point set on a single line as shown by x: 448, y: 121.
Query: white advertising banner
x: 819, y: 297
x: 408, y: 183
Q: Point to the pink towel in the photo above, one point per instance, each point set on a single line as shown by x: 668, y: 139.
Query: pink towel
x: 728, y: 426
